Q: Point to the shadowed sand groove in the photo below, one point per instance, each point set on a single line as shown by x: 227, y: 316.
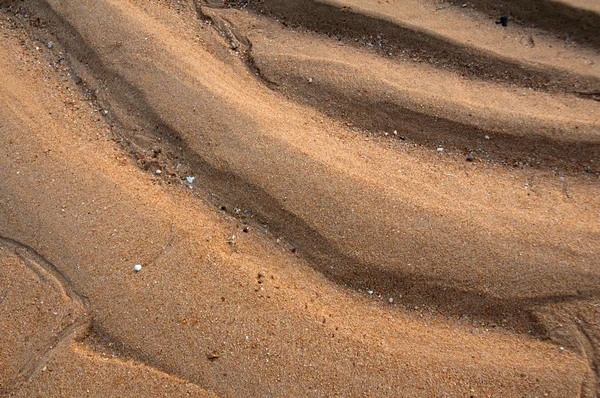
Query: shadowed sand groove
x: 392, y: 102
x: 344, y: 19
x: 563, y: 18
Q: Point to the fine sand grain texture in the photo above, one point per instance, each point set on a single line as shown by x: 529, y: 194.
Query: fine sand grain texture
x: 299, y: 198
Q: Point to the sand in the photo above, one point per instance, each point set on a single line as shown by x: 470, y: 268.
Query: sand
x: 326, y: 198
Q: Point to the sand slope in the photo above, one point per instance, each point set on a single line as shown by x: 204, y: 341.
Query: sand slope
x: 333, y: 240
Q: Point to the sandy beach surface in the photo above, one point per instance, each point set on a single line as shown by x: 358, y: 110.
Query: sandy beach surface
x: 299, y: 198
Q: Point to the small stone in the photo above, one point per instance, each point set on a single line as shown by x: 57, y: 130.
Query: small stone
x: 464, y: 5
x: 391, y: 300
x: 440, y: 149
x: 469, y: 158
x: 310, y: 80
x: 370, y: 291
x: 137, y: 268
x: 212, y: 356
x: 190, y: 179
x: 50, y: 45
x: 158, y: 172
x: 487, y: 137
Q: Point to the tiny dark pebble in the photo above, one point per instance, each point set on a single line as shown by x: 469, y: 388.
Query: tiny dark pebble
x: 245, y: 229
x: 293, y: 250
x: 469, y: 158
x: 223, y: 208
x: 503, y: 21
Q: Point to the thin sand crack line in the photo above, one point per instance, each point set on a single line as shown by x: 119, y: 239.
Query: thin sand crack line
x: 590, y: 355
x: 42, y: 267
x: 46, y: 271
x: 35, y: 363
x: 166, y: 247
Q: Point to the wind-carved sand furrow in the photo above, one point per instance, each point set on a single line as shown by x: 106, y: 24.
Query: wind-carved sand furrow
x: 165, y: 104
x: 75, y: 323
x: 544, y: 137
x: 390, y: 36
x: 327, y: 254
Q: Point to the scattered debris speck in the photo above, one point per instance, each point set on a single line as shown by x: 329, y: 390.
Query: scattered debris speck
x: 503, y: 21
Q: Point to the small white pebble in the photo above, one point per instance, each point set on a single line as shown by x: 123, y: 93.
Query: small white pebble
x: 370, y: 291
x: 391, y: 300
x: 190, y: 179
x: 440, y: 149
x: 310, y: 80
x: 158, y: 172
x: 487, y: 137
x: 137, y: 268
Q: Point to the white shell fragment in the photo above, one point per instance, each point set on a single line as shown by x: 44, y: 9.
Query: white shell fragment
x: 137, y: 268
